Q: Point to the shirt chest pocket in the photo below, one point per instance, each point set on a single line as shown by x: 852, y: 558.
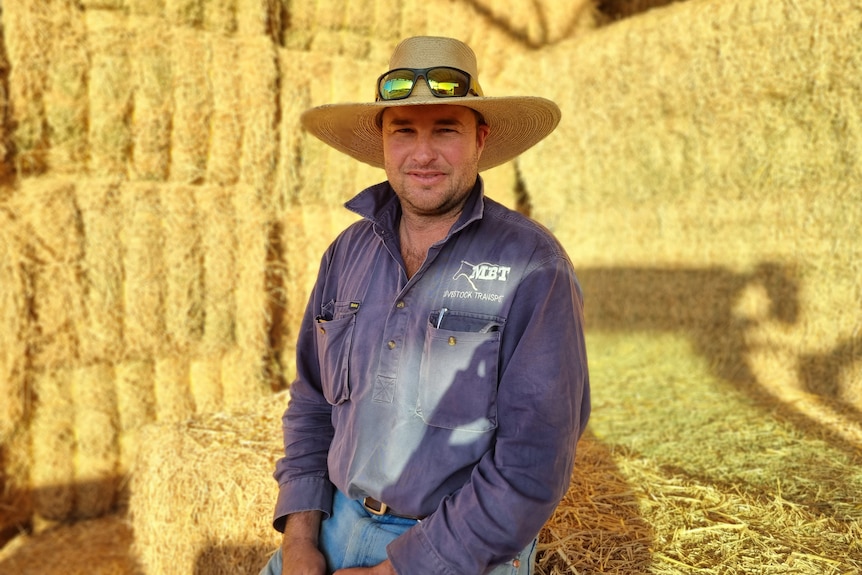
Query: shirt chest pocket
x: 458, y: 376
x: 334, y: 340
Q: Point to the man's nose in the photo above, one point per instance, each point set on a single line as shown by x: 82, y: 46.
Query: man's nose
x: 423, y: 150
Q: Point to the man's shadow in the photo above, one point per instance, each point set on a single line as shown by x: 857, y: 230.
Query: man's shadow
x: 597, y: 522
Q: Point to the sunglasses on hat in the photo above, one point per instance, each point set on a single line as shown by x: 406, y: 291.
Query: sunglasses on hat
x: 443, y: 81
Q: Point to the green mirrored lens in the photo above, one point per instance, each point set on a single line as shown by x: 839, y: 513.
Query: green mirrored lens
x: 394, y: 88
x: 448, y: 82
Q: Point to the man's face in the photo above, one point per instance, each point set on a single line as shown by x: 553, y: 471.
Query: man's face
x: 431, y: 156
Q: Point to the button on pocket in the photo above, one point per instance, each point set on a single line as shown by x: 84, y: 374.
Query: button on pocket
x: 458, y: 377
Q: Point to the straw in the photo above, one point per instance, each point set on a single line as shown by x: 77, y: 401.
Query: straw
x: 192, y: 105
x: 94, y: 547
x: 143, y: 283
x: 53, y: 445
x: 95, y: 420
x: 49, y: 223
x: 172, y: 389
x: 220, y: 253
x: 136, y: 406
x: 184, y: 299
x: 226, y: 125
x: 66, y: 98
x: 100, y: 216
x: 152, y: 102
x: 259, y: 103
x: 28, y: 65
x: 226, y: 516
x: 110, y: 92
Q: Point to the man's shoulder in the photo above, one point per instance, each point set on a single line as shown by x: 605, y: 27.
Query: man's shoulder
x: 528, y: 230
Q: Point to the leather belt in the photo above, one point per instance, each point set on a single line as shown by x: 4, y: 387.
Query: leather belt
x: 379, y: 508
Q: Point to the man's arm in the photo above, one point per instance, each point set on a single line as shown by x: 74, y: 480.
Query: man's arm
x: 299, y: 547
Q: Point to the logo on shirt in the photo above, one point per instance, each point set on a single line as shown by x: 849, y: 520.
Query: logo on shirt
x: 484, y: 271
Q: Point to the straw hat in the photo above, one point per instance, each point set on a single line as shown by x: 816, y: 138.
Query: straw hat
x: 517, y: 122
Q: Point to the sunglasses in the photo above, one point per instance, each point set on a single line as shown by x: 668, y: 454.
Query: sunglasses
x: 444, y: 82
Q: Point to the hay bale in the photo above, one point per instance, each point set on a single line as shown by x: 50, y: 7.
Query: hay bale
x: 259, y: 104
x: 220, y: 17
x: 15, y: 407
x: 220, y: 253
x: 172, y: 389
x: 110, y: 92
x: 52, y: 447
x: 184, y: 302
x: 761, y: 170
x: 260, y: 18
x: 65, y: 100
x: 96, y: 478
x: 258, y: 298
x: 144, y: 289
x: 136, y: 406
x: 192, y: 105
x: 14, y: 325
x: 101, y: 220
x: 152, y: 77
x: 28, y: 65
x: 184, y: 13
x: 226, y: 123
x: 50, y: 223
x: 5, y: 129
x: 145, y: 7
x: 202, y: 492
x: 205, y: 383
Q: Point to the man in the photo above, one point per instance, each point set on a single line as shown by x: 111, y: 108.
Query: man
x: 441, y: 369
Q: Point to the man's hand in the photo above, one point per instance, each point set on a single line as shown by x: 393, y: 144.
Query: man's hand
x: 299, y: 551
x: 384, y: 568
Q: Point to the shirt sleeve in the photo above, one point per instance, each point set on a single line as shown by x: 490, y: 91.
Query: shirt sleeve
x: 543, y: 407
x: 302, y: 475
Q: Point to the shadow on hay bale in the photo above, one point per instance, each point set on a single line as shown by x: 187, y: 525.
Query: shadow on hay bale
x: 748, y: 327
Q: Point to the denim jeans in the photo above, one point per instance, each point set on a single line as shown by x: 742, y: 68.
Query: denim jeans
x: 352, y: 537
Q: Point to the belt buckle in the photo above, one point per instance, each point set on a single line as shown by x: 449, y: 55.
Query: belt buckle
x: 381, y: 511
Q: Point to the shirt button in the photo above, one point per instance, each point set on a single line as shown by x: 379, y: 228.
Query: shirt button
x: 400, y: 305
x: 452, y: 340
x: 391, y: 344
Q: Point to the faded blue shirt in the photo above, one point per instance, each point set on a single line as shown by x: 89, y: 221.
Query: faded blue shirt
x: 459, y: 393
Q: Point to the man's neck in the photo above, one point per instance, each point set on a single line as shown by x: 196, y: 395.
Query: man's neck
x: 417, y: 234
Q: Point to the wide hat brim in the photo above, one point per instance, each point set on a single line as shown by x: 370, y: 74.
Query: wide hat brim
x: 517, y: 123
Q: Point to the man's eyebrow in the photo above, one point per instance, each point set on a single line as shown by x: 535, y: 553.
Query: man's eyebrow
x: 445, y: 121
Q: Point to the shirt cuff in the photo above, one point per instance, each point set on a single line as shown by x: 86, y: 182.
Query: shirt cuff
x: 412, y: 553
x: 306, y: 494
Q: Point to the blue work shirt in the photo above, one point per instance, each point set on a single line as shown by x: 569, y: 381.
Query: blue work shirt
x: 458, y: 394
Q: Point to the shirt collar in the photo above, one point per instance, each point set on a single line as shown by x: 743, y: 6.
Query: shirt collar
x: 379, y: 205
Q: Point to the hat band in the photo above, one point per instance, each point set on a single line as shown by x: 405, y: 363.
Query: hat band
x: 443, y: 82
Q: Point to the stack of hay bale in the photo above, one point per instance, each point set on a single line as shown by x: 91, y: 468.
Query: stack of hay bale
x: 163, y: 215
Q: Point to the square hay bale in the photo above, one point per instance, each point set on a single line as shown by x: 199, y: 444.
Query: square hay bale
x: 66, y: 95
x: 100, y: 214
x: 152, y: 76
x: 203, y: 494
x: 192, y: 96
x: 110, y: 92
x: 49, y: 223
x: 23, y: 37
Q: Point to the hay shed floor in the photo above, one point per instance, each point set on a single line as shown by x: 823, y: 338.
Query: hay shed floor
x: 681, y: 471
